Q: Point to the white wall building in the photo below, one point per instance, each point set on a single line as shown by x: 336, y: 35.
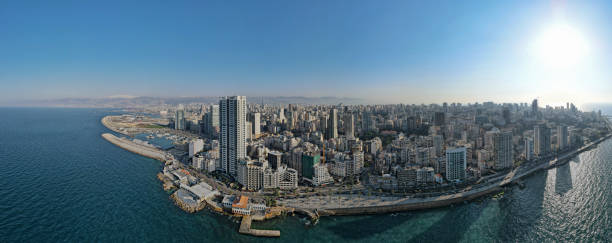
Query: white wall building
x: 455, y: 164
x: 232, y: 120
x: 195, y: 147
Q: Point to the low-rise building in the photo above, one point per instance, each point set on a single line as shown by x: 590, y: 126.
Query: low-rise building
x: 241, y: 205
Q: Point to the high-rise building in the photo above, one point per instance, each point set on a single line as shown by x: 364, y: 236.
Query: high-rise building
x: 308, y: 163
x: 232, y: 140
x: 349, y: 125
x: 439, y: 118
x: 332, y: 124
x: 211, y: 121
x: 506, y: 115
x: 251, y: 175
x: 534, y: 107
x: 529, y: 149
x: 323, y: 125
x: 275, y: 159
x: 179, y: 119
x: 195, y: 147
x: 562, y: 136
x: 255, y: 122
x: 541, y: 135
x: 455, y: 163
x: 503, y: 150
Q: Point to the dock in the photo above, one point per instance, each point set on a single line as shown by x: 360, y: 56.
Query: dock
x: 245, y: 228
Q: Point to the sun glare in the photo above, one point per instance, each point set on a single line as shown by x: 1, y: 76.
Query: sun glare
x: 560, y: 46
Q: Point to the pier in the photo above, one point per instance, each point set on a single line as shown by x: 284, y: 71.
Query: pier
x: 245, y: 228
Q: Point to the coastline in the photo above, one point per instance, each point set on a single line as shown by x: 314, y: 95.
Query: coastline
x: 403, y: 204
x: 410, y: 204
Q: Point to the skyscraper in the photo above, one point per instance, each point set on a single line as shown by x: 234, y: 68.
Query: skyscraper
x: 232, y: 139
x: 534, y: 107
x: 503, y: 151
x: 562, y: 137
x: 332, y: 124
x: 541, y: 135
x: 529, y: 147
x: 179, y: 119
x: 255, y: 121
x: 211, y: 121
x: 455, y: 163
x: 439, y: 118
x: 349, y: 125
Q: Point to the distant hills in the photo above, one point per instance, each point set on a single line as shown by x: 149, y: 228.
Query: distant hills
x: 133, y: 102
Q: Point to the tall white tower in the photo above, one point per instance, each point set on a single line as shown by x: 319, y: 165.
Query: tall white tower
x: 232, y: 140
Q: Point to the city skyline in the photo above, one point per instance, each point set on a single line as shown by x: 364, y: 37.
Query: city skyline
x: 392, y: 52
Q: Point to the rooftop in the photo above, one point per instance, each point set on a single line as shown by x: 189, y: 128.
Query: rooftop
x: 241, y: 202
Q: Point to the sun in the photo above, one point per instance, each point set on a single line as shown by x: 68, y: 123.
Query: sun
x: 560, y: 46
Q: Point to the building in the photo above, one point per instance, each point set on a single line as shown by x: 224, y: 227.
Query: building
x: 562, y: 137
x: 529, y: 149
x: 179, y: 119
x: 439, y: 119
x: 355, y: 167
x: 456, y: 164
x: 256, y: 124
x: 275, y: 159
x: 440, y: 166
x: 321, y: 175
x: 542, y: 145
x: 227, y: 201
x: 287, y: 178
x: 425, y: 175
x: 349, y: 125
x: 332, y: 124
x: 251, y: 175
x: 422, y: 156
x: 308, y: 163
x: 232, y: 120
x: 503, y: 150
x: 195, y: 147
x: 270, y: 179
x: 407, y: 177
x: 241, y: 205
x: 198, y: 162
x: 211, y: 121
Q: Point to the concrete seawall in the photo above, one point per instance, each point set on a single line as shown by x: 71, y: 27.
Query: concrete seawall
x: 147, y: 151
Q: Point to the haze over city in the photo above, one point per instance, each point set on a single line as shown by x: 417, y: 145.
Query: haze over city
x: 305, y: 121
x: 381, y: 52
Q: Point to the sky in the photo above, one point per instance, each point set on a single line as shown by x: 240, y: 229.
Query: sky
x: 381, y: 51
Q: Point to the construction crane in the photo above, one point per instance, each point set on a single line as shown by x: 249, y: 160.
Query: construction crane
x: 323, y: 157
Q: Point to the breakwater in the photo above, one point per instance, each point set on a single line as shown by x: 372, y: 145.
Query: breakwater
x: 141, y: 149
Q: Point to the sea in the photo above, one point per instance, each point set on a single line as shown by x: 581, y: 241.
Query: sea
x: 61, y: 182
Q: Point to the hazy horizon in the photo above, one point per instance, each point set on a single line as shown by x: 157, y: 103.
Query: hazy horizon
x: 382, y: 52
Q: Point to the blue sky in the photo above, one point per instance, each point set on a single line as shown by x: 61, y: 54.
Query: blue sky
x: 384, y: 51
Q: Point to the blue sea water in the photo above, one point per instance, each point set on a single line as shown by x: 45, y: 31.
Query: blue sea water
x: 60, y: 181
